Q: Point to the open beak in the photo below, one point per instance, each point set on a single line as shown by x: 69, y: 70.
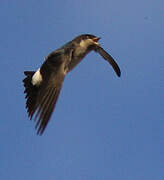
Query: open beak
x: 96, y: 39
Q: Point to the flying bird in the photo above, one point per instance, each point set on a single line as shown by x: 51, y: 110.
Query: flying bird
x: 42, y: 87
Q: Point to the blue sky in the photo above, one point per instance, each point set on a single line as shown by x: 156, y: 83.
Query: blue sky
x: 103, y: 127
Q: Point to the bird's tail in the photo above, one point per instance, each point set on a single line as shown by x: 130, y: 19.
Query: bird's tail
x: 31, y: 93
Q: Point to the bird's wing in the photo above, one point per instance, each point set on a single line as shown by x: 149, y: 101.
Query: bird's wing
x: 53, y: 74
x: 109, y: 58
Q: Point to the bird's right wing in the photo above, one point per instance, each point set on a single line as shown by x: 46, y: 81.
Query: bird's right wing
x: 46, y: 100
x: 53, y: 77
x: 109, y: 58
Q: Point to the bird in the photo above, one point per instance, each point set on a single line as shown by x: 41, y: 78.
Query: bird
x: 43, y: 86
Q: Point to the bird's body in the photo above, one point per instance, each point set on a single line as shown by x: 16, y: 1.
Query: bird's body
x: 43, y: 87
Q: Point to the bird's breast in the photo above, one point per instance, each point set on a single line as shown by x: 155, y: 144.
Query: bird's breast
x: 77, y: 57
x: 74, y: 62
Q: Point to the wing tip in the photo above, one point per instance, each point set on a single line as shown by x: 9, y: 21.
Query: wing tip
x: 118, y: 73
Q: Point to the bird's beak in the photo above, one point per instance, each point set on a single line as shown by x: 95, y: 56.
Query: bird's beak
x: 95, y: 40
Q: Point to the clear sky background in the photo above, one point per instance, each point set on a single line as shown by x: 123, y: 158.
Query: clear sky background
x: 103, y: 127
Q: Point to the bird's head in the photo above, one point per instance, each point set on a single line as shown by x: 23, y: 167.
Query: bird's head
x: 87, y: 40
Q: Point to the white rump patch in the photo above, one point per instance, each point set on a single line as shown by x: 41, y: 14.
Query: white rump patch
x: 37, y: 78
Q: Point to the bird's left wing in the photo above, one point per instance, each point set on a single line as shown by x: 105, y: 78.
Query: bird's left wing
x: 109, y: 58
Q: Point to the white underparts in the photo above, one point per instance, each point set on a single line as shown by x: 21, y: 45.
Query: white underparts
x: 37, y: 78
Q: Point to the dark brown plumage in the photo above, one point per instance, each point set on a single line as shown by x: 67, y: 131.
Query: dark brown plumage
x: 42, y: 87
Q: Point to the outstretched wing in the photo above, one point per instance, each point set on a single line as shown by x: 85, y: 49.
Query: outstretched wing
x: 109, y: 58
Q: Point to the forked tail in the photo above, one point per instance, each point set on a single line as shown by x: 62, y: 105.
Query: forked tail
x: 31, y: 93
